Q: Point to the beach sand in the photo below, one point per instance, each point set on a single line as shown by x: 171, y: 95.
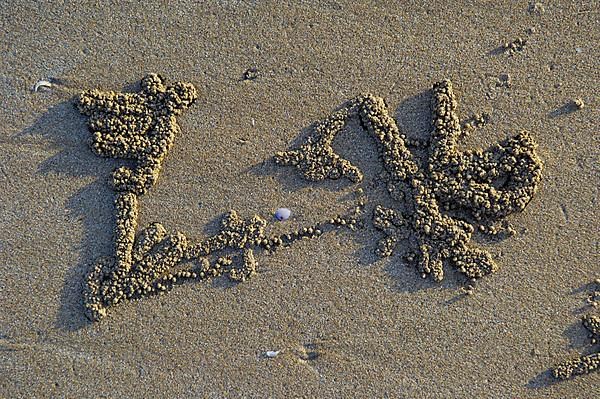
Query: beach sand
x: 347, y: 323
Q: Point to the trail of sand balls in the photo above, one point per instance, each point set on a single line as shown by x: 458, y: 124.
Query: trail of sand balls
x: 483, y: 186
x: 587, y: 363
x: 142, y: 127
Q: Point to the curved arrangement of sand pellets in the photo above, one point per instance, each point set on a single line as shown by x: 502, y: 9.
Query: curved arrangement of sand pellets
x: 142, y: 127
x: 586, y: 363
x: 483, y: 186
x: 438, y: 203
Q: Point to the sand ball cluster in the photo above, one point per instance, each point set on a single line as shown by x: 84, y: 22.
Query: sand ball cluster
x: 488, y: 184
x: 316, y: 159
x: 138, y: 126
x: 583, y: 364
x: 476, y: 186
x: 515, y: 46
x: 142, y: 127
x: 587, y: 363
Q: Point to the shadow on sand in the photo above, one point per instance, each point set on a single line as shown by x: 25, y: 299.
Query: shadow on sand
x: 565, y: 109
x: 578, y: 340
x: 62, y: 126
x: 577, y: 337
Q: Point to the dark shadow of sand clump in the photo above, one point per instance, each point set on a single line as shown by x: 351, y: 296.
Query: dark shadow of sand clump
x: 63, y: 127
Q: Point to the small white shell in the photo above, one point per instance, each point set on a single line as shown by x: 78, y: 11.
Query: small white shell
x: 272, y: 354
x: 282, y: 214
x: 42, y: 84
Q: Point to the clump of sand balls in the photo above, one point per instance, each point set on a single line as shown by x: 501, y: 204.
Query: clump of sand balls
x: 439, y: 204
x: 515, y: 46
x: 587, y: 363
x: 138, y: 126
x: 142, y: 127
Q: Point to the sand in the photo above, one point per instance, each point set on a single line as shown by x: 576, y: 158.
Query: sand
x: 346, y: 323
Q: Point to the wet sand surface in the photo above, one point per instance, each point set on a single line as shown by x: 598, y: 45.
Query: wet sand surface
x: 347, y: 323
